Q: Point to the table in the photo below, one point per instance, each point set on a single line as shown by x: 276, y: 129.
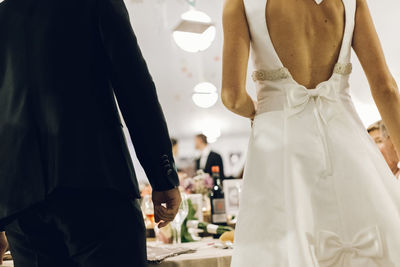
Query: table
x: 205, y: 256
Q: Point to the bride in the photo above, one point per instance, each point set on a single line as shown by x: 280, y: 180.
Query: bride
x: 317, y: 191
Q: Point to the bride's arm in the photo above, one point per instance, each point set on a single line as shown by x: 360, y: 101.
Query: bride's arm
x: 235, y: 59
x: 384, y: 89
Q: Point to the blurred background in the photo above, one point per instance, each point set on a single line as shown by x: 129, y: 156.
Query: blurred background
x: 177, y: 72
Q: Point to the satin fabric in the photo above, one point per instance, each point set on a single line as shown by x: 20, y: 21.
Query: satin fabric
x: 317, y: 191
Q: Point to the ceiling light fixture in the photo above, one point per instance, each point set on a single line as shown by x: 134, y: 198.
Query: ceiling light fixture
x: 213, y: 132
x: 205, y: 95
x: 195, y: 32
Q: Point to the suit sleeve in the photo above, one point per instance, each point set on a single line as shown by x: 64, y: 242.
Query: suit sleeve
x: 136, y: 95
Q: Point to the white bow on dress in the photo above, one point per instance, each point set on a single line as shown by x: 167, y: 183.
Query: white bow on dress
x: 318, y: 1
x: 330, y: 249
x: 324, y: 95
x: 327, y: 106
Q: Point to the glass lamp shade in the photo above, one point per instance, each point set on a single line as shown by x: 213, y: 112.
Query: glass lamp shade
x: 194, y: 42
x: 213, y: 132
x: 195, y: 32
x: 195, y: 15
x: 205, y: 95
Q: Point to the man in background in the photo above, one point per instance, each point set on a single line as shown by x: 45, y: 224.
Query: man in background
x: 175, y: 150
x: 68, y: 190
x: 381, y: 137
x: 208, y: 158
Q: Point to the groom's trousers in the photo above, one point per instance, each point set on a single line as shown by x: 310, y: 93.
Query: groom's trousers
x: 80, y: 229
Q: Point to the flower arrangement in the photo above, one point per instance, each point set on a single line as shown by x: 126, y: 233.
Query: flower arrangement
x: 200, y: 184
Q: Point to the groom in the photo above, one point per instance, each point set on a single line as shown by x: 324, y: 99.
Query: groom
x: 68, y: 190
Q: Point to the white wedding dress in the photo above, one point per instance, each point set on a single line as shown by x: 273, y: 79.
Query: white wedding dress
x: 317, y: 191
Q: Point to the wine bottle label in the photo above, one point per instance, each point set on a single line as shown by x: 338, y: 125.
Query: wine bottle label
x: 219, y: 205
x: 219, y: 218
x: 219, y: 215
x: 212, y: 228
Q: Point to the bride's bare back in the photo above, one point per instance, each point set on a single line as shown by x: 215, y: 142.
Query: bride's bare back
x: 307, y: 37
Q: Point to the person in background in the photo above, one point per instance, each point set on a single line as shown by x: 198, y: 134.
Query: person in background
x: 68, y: 189
x: 181, y: 172
x: 174, y: 143
x: 208, y: 158
x: 379, y: 133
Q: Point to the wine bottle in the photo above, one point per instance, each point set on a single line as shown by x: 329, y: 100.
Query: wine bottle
x: 208, y: 227
x: 217, y: 199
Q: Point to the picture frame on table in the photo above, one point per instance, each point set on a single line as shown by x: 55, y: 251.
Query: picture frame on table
x: 232, y: 189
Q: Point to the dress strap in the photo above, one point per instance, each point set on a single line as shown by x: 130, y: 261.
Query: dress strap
x: 262, y: 49
x: 350, y: 12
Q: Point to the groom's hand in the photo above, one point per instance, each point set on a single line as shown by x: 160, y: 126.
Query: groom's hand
x: 172, y: 200
x: 3, y: 246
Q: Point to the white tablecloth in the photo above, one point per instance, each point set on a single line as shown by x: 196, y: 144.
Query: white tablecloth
x: 206, y: 256
x: 7, y: 263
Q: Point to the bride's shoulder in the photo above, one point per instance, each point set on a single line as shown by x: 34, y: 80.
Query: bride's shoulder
x: 233, y: 5
x: 232, y: 8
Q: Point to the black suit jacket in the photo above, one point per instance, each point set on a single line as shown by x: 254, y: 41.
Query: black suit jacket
x: 61, y: 62
x: 214, y: 159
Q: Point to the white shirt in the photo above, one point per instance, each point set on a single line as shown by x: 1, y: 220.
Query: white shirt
x: 204, y: 156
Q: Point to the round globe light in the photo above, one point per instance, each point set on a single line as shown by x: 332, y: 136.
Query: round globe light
x: 205, y: 95
x: 211, y: 140
x: 195, y: 15
x: 195, y: 32
x: 213, y: 132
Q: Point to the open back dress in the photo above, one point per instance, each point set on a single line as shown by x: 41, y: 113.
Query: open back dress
x: 317, y: 191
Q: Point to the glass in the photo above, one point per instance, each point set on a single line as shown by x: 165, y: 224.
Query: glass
x: 148, y: 211
x: 179, y: 219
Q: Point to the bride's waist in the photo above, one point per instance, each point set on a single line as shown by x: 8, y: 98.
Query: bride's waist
x: 276, y: 101
x: 268, y: 104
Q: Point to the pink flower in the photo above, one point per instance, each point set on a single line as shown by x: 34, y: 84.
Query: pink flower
x: 208, y: 181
